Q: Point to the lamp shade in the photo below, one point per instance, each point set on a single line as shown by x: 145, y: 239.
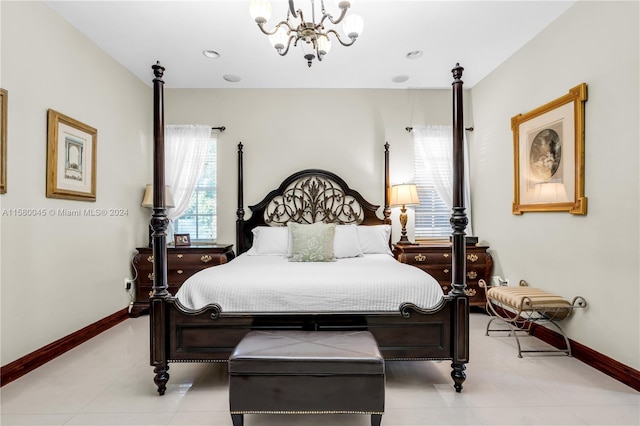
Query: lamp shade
x: 353, y: 26
x: 147, y: 199
x: 280, y: 38
x: 404, y: 194
x: 260, y: 10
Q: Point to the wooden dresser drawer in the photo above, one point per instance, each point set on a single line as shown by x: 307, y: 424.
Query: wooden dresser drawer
x: 419, y: 258
x: 436, y: 261
x: 182, y: 262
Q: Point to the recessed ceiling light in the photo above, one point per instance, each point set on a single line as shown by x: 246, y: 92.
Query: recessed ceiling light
x: 414, y: 54
x: 211, y: 54
x: 400, y: 78
x: 231, y: 78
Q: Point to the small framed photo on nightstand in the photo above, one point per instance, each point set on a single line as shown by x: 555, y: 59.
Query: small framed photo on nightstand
x: 182, y: 240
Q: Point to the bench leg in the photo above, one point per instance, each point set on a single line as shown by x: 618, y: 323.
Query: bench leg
x: 376, y: 419
x: 237, y: 419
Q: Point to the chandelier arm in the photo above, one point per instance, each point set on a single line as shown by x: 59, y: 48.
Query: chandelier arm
x: 275, y: 29
x: 285, y: 51
x: 335, y: 33
x: 300, y: 15
x: 292, y: 9
x: 337, y: 21
x: 315, y: 48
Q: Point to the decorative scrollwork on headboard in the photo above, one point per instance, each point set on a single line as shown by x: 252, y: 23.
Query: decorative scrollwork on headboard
x: 312, y: 199
x: 308, y: 196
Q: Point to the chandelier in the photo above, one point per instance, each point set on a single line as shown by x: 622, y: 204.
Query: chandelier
x: 310, y: 32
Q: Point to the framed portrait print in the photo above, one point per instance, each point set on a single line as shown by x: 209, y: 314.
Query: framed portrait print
x: 182, y: 240
x: 71, y: 158
x: 4, y: 102
x: 548, y: 147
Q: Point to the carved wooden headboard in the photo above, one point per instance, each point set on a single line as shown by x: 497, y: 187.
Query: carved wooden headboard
x: 307, y: 196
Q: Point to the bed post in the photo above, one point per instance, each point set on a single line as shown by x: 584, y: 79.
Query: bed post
x: 159, y: 223
x: 387, y: 209
x: 460, y: 320
x: 240, y: 248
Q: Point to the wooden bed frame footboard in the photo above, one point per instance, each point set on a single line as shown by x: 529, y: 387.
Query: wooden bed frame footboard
x: 209, y: 335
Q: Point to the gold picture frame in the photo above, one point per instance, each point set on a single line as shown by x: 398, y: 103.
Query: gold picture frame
x: 71, y: 158
x: 549, y: 156
x: 4, y: 104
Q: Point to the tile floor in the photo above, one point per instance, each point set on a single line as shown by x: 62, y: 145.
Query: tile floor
x: 107, y: 381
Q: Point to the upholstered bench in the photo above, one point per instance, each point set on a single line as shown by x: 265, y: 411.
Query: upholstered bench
x: 521, y: 307
x: 306, y: 372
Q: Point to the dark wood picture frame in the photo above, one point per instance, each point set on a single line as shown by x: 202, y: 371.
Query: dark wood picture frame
x: 181, y: 240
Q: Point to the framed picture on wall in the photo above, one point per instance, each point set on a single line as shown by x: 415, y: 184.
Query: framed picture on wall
x: 549, y: 156
x: 4, y: 102
x: 71, y: 158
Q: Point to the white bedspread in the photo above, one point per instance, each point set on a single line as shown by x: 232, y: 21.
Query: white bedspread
x: 373, y: 282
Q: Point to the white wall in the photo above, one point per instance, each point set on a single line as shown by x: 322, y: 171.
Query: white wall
x: 60, y: 274
x: 283, y: 131
x: 595, y: 256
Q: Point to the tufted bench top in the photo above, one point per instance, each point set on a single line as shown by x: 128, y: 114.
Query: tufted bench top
x: 306, y: 352
x: 531, y: 299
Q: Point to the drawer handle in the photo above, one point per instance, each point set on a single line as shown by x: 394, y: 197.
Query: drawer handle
x: 472, y: 257
x: 472, y: 275
x: 180, y: 256
x: 150, y: 259
x: 470, y: 292
x: 206, y: 258
x: 446, y: 271
x: 180, y: 271
x: 446, y: 254
x: 420, y: 258
x: 150, y: 276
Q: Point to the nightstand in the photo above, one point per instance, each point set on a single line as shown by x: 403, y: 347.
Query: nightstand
x: 435, y: 259
x: 182, y: 262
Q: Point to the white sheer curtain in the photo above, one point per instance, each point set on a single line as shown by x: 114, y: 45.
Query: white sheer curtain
x: 185, y: 151
x: 435, y: 146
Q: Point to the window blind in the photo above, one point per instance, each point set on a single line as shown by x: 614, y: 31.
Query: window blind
x: 432, y: 215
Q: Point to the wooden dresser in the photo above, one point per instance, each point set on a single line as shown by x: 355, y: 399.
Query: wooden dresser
x: 182, y: 262
x: 435, y: 259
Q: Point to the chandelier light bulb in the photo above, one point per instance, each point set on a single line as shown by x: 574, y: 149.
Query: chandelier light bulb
x: 279, y: 38
x: 324, y: 44
x: 353, y: 26
x: 260, y: 10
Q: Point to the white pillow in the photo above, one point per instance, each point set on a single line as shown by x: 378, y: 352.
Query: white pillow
x: 374, y: 239
x: 346, y: 242
x: 270, y: 240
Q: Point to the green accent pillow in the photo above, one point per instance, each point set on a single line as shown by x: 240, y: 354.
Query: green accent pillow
x: 312, y: 243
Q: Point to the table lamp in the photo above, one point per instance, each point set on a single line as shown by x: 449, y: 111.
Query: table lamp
x: 404, y: 195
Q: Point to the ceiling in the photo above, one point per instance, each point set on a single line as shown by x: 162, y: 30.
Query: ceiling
x: 479, y: 35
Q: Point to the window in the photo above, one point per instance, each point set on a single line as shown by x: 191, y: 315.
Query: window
x: 433, y: 175
x: 199, y: 220
x: 432, y: 215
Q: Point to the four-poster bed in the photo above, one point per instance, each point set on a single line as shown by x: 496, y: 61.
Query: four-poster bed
x: 209, y: 333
